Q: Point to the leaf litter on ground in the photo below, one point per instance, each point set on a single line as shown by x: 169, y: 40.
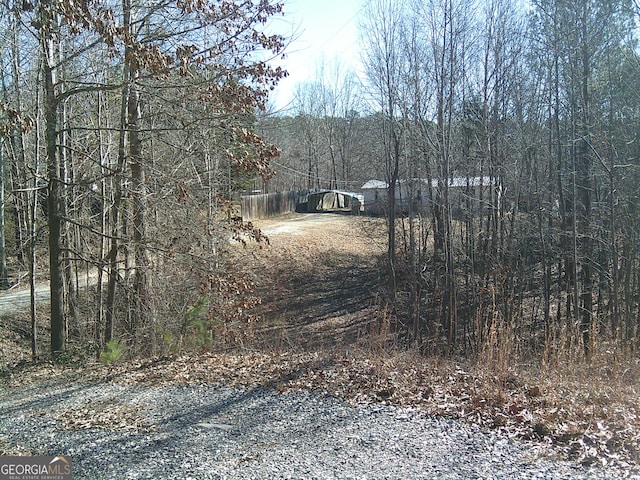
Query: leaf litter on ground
x: 569, y: 421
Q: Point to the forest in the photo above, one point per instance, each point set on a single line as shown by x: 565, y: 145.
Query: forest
x: 537, y: 99
x: 128, y: 130
x: 125, y: 127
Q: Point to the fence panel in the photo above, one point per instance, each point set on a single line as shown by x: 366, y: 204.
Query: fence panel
x: 273, y: 204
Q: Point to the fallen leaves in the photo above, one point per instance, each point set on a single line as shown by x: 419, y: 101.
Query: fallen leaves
x: 107, y: 414
x: 582, y: 420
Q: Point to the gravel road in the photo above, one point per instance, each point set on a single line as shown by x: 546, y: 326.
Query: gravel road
x: 19, y: 297
x: 212, y: 432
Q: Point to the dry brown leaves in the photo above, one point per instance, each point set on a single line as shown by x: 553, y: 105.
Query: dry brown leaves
x: 12, y: 348
x: 109, y: 414
x: 588, y: 421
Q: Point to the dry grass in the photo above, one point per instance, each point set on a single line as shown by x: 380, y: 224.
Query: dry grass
x: 588, y: 410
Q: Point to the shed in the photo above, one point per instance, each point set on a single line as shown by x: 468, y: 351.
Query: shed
x: 331, y: 200
x: 375, y: 196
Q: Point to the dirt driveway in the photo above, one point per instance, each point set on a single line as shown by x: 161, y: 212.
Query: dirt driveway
x: 318, y: 278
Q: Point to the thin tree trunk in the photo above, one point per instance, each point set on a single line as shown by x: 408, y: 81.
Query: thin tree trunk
x: 115, y: 217
x: 4, y: 280
x: 584, y: 195
x: 139, y: 210
x: 54, y: 219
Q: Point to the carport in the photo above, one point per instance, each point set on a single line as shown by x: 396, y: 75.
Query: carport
x: 331, y: 200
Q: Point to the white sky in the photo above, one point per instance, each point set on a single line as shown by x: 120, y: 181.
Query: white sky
x: 323, y: 30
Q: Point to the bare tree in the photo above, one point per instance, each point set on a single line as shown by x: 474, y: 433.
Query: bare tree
x: 381, y: 31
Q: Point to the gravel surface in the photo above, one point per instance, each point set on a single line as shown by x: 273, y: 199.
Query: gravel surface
x: 19, y: 297
x: 115, y: 431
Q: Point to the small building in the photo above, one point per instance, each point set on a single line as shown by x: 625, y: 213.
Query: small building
x: 465, y: 194
x: 332, y: 200
x: 375, y: 197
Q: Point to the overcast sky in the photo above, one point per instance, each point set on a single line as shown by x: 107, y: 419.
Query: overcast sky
x: 322, y: 29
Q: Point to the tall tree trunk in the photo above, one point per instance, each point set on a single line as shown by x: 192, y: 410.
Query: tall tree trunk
x: 54, y: 219
x: 4, y: 280
x: 99, y: 325
x: 391, y: 216
x: 138, y: 193
x: 115, y: 229
x: 115, y: 217
x: 584, y: 187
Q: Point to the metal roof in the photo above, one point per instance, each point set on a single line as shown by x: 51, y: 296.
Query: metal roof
x: 373, y: 184
x: 453, y: 182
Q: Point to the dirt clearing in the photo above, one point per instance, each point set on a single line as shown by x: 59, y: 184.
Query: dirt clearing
x: 317, y: 278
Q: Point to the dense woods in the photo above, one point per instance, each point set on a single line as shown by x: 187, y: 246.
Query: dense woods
x: 539, y: 100
x: 127, y: 128
x: 124, y: 128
